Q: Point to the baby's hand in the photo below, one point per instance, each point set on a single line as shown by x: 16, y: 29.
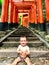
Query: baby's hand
x: 27, y: 53
x: 20, y: 52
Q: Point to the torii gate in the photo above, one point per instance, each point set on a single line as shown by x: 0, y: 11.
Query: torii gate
x: 14, y: 9
x: 33, y: 7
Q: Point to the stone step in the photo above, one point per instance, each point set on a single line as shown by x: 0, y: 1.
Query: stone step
x: 12, y: 53
x: 23, y: 30
x: 27, y: 34
x: 2, y: 35
x: 23, y: 27
x: 2, y: 32
x: 18, y: 38
x: 15, y: 43
x: 22, y: 34
x: 42, y: 48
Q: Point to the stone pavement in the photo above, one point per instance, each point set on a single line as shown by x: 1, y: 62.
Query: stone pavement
x: 35, y: 61
x: 11, y: 52
x: 7, y: 55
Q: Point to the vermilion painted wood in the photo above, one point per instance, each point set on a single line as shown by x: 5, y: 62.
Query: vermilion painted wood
x: 40, y: 12
x: 10, y: 18
x: 4, y: 15
x: 25, y: 21
x: 47, y: 9
x: 15, y: 15
x: 23, y: 11
x: 29, y: 6
x: 24, y: 5
x: 35, y: 13
x: 30, y: 15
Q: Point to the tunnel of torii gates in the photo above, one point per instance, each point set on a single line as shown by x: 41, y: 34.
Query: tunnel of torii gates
x: 32, y: 13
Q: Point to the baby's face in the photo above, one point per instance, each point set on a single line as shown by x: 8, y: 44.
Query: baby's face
x: 23, y: 41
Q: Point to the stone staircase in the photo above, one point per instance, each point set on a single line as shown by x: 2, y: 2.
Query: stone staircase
x: 2, y: 33
x: 13, y: 39
x: 38, y: 50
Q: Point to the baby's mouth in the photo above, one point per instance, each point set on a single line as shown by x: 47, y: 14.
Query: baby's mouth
x: 22, y: 43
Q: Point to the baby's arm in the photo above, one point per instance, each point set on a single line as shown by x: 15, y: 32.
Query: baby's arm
x: 19, y: 50
x: 27, y: 51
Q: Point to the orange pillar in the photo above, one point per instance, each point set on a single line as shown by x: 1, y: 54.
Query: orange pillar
x: 10, y: 18
x: 30, y: 16
x: 47, y: 9
x: 10, y: 11
x: 25, y: 21
x: 33, y: 17
x: 47, y: 15
x: 40, y: 15
x: 15, y: 15
x: 35, y: 14
x: 40, y: 12
x: 4, y: 16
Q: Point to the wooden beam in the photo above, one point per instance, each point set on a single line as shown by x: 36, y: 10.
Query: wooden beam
x: 27, y: 3
x: 23, y: 7
x: 23, y: 11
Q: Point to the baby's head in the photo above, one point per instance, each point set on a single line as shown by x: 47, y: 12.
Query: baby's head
x: 23, y: 41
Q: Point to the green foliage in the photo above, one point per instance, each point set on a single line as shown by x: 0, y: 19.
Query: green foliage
x: 0, y: 11
x: 0, y: 6
x: 0, y: 2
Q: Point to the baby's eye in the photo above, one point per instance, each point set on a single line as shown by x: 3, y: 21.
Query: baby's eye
x: 21, y: 40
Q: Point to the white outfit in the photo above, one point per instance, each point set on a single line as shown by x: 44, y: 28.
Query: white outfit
x: 23, y: 49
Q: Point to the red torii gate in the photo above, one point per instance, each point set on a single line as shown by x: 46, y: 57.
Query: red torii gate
x: 13, y: 10
x: 34, y: 7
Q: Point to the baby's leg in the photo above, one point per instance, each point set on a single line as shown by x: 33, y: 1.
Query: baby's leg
x: 15, y: 61
x: 27, y: 60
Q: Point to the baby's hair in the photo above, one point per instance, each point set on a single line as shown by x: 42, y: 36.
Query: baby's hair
x: 23, y: 37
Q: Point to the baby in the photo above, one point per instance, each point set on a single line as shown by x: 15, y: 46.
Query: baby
x: 23, y: 51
